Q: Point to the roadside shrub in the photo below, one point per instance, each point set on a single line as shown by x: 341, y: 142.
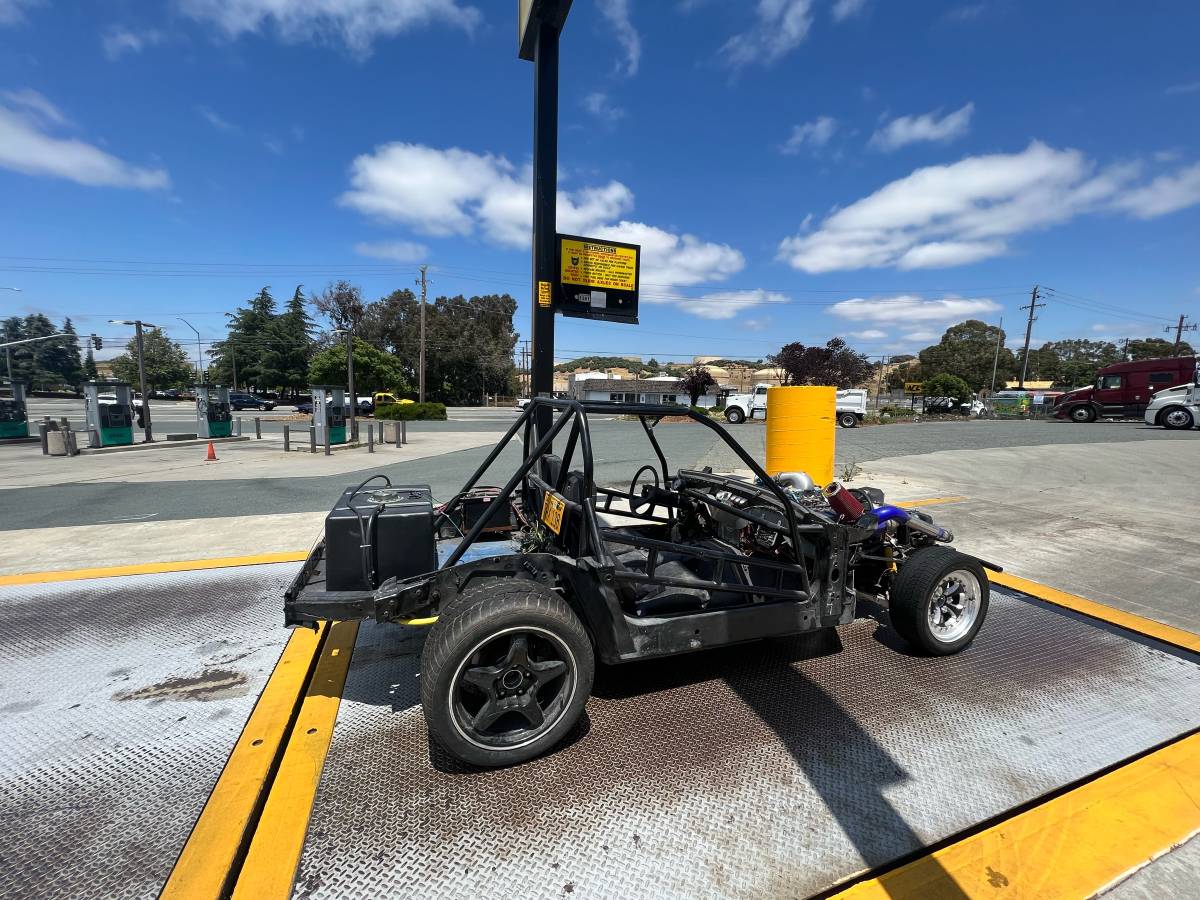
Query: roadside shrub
x: 410, y: 412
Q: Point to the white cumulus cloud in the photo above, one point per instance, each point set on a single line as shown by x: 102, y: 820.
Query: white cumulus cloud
x: 816, y: 133
x: 458, y: 193
x: 869, y: 334
x: 617, y: 13
x: 28, y: 145
x: 845, y: 9
x: 905, y: 130
x: 727, y: 304
x: 966, y: 211
x: 12, y: 12
x: 780, y: 26
x: 119, y: 40
x: 355, y: 23
x: 396, y: 251
x: 909, y: 310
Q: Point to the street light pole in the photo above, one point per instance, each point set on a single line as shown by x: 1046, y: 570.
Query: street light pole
x: 138, y: 324
x: 7, y: 353
x: 350, y: 378
x: 199, y: 352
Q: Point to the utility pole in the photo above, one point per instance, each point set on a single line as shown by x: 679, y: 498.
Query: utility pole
x: 350, y: 378
x: 1179, y: 330
x: 138, y: 324
x: 1032, y: 307
x: 1125, y: 350
x: 7, y: 354
x: 539, y: 25
x: 233, y: 360
x: 421, y: 365
x: 996, y: 356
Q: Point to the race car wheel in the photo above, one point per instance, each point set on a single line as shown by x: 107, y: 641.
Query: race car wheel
x: 847, y: 420
x: 505, y: 673
x: 735, y: 416
x: 939, y: 600
x: 1083, y: 414
x: 1176, y: 417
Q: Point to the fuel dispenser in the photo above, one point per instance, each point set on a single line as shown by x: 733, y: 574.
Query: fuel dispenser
x: 329, y: 412
x: 14, y: 419
x: 213, y: 419
x: 109, y: 419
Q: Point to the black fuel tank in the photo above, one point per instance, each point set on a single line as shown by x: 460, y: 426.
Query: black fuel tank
x: 401, y: 539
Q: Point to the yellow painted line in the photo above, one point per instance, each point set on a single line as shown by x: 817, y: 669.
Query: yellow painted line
x: 222, y: 829
x: 154, y: 568
x: 1165, y: 633
x: 929, y: 501
x: 274, y: 854
x: 1071, y: 846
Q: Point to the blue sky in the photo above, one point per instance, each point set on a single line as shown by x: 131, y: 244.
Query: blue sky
x: 794, y: 169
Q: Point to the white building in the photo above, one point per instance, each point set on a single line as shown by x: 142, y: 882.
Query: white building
x: 660, y: 389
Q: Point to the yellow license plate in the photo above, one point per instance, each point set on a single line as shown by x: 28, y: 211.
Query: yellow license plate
x: 552, y: 512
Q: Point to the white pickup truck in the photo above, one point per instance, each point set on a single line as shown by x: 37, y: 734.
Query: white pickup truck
x: 851, y: 406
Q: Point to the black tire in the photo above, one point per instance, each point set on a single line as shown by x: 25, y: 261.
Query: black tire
x: 502, y: 656
x: 735, y: 416
x: 916, y: 590
x: 1083, y: 414
x: 847, y: 420
x: 1176, y: 417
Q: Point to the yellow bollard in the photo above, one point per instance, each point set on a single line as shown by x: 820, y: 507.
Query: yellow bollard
x: 801, y: 423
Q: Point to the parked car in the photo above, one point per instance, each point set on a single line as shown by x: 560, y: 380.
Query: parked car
x: 522, y: 402
x: 1177, y: 407
x: 1124, y: 390
x: 240, y: 400
x: 304, y: 407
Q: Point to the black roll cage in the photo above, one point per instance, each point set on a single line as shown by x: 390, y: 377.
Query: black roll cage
x: 588, y: 537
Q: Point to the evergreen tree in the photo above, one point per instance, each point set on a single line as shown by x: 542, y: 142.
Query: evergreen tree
x: 290, y: 345
x: 72, y: 371
x: 245, y: 343
x: 89, y: 366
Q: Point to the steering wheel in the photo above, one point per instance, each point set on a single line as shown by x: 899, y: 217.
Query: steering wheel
x: 636, y: 501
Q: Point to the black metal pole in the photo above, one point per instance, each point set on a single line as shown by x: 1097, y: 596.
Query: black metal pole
x: 545, y: 194
x: 148, y: 431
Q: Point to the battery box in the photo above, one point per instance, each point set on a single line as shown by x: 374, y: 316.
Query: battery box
x: 401, y: 538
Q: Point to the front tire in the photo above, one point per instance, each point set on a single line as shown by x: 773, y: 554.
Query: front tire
x: 939, y: 600
x: 735, y: 416
x: 847, y: 420
x: 1176, y: 418
x: 505, y: 673
x: 1083, y: 414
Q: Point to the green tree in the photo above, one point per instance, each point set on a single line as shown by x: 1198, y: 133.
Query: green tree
x: 246, y: 343
x: 167, y: 364
x: 1156, y: 348
x: 374, y: 369
x: 61, y: 358
x: 967, y: 350
x: 89, y: 366
x: 289, y: 346
x: 946, y: 385
x: 470, y: 348
x: 834, y: 364
x: 342, y: 303
x: 653, y: 364
x: 1073, y: 362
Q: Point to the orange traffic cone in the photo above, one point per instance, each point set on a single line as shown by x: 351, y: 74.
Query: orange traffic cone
x: 212, y: 453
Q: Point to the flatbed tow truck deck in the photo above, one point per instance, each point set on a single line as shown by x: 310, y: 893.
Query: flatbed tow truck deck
x: 794, y: 767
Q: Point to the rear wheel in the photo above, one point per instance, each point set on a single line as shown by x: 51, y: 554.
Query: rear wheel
x: 1083, y: 414
x: 505, y: 673
x: 939, y: 600
x: 735, y: 416
x: 847, y: 419
x: 1176, y: 417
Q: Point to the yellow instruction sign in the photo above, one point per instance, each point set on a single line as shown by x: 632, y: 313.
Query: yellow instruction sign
x: 598, y: 264
x: 543, y: 293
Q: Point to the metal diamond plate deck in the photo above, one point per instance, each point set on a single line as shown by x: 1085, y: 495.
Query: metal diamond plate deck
x: 769, y: 770
x: 120, y: 699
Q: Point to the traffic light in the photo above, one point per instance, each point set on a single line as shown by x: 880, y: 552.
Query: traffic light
x: 97, y: 343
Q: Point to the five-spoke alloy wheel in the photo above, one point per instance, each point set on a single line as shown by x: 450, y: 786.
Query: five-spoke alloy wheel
x: 505, y: 672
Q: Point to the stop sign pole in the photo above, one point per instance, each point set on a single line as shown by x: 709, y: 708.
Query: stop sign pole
x: 539, y: 23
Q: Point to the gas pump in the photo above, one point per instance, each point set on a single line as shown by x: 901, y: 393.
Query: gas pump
x: 109, y: 419
x: 213, y: 419
x: 329, y: 412
x: 14, y: 420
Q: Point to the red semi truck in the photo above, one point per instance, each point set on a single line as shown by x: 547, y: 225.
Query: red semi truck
x: 1123, y: 390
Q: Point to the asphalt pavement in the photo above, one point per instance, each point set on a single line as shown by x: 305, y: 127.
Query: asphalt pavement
x: 620, y: 448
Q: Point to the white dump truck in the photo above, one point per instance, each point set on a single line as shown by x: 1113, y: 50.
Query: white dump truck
x: 851, y: 406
